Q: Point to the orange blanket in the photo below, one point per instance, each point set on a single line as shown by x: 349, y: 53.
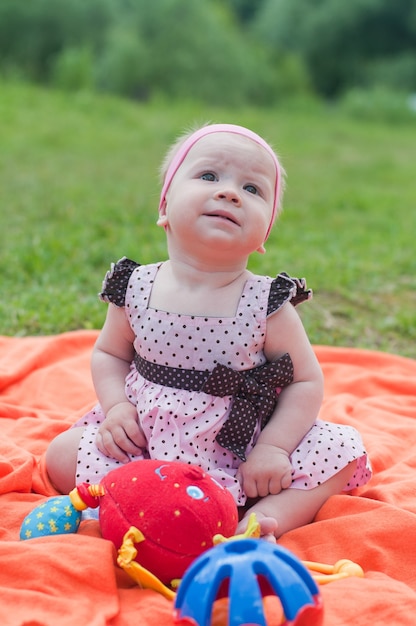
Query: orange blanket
x: 45, y: 385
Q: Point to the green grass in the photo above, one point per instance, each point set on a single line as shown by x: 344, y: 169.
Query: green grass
x: 79, y: 188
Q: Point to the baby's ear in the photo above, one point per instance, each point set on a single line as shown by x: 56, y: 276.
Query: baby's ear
x: 163, y: 218
x: 162, y: 221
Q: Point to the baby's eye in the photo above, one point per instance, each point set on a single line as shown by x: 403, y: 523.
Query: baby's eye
x: 251, y: 189
x: 209, y: 176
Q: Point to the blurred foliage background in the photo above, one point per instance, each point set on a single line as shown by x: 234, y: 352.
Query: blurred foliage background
x: 224, y: 52
x: 93, y: 91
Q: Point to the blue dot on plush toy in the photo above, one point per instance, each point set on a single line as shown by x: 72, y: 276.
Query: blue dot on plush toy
x: 60, y: 515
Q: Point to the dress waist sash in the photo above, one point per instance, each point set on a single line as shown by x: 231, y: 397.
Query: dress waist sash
x: 254, y: 393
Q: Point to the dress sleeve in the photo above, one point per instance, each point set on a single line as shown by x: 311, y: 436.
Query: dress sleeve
x: 287, y: 289
x: 116, y: 280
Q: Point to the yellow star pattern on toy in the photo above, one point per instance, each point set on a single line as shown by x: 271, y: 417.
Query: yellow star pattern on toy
x: 61, y: 514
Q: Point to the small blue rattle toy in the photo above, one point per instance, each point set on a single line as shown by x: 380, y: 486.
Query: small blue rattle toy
x: 251, y: 568
x: 61, y: 515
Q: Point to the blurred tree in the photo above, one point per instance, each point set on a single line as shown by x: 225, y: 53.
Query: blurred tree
x: 339, y: 41
x: 245, y: 10
x: 124, y: 66
x: 220, y: 51
x: 183, y: 49
x: 137, y: 48
x: 33, y: 33
x: 73, y: 69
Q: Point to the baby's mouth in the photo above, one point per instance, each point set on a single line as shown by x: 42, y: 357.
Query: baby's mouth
x: 223, y: 215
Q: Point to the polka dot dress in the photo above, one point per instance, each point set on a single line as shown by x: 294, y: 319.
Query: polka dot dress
x: 182, y: 424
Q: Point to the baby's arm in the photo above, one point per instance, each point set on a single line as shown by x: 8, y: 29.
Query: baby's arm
x: 119, y: 435
x: 268, y: 469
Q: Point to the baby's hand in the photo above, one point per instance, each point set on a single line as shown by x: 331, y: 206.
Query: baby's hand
x: 120, y: 434
x: 267, y: 470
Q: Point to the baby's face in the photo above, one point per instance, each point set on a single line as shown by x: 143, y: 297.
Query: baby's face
x: 225, y: 187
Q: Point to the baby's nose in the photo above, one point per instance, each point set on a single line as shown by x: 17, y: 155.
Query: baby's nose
x: 230, y: 195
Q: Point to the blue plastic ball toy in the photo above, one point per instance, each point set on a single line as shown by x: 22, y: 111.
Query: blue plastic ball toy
x: 251, y: 568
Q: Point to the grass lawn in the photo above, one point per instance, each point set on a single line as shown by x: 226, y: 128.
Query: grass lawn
x: 79, y: 188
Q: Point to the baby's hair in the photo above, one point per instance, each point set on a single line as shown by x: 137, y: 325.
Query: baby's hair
x: 176, y: 145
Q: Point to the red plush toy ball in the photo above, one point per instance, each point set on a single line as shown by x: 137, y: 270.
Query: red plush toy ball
x: 179, y: 508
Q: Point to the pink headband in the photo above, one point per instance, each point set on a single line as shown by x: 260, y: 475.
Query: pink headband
x: 218, y: 128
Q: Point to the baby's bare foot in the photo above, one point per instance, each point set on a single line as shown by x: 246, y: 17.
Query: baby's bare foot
x: 268, y: 526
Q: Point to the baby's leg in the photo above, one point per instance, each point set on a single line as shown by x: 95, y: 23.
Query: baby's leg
x: 61, y: 459
x: 292, y: 508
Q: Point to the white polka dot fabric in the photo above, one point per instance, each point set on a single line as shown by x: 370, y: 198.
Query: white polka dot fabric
x: 183, y: 424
